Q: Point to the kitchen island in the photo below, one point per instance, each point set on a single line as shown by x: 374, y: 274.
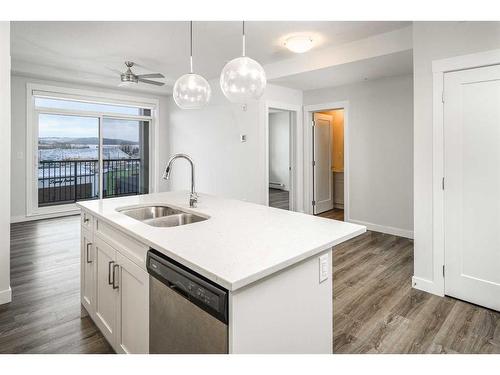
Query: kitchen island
x: 274, y: 264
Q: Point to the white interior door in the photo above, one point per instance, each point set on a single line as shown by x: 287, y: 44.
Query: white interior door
x: 472, y: 185
x: 322, y: 164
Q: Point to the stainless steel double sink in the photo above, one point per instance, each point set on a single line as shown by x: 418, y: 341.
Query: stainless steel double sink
x: 161, y: 216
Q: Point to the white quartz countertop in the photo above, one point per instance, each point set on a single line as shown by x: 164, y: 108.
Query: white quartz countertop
x: 239, y: 244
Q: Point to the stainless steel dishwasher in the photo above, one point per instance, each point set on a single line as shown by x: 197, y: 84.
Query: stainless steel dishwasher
x: 187, y: 312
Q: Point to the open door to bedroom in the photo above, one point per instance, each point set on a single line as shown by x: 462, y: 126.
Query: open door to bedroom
x: 328, y: 163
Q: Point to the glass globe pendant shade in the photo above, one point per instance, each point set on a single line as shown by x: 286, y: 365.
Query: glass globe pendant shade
x: 242, y: 79
x: 192, y: 91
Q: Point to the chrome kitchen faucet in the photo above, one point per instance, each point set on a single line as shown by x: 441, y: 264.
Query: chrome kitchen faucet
x: 193, y: 197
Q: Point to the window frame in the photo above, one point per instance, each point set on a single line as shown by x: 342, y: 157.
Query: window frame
x: 63, y: 93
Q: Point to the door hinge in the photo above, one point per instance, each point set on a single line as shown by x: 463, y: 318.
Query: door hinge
x: 442, y: 183
x: 314, y: 203
x: 313, y: 123
x: 443, y: 271
x: 314, y: 163
x: 442, y: 96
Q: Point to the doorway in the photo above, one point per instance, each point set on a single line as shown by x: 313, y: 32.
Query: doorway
x: 328, y: 163
x: 280, y: 131
x: 340, y: 209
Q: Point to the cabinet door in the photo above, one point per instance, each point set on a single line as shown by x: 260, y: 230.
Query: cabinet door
x: 133, y: 308
x: 87, y: 260
x: 106, y: 296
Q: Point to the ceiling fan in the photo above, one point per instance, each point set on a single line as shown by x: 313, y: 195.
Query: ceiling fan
x: 128, y: 77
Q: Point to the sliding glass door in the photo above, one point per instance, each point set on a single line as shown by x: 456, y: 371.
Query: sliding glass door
x: 68, y: 159
x: 125, y: 157
x: 87, y: 150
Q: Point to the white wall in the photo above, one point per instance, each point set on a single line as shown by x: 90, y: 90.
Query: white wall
x: 279, y: 148
x: 5, y: 293
x: 211, y: 136
x: 433, y: 41
x: 380, y: 127
x: 18, y: 91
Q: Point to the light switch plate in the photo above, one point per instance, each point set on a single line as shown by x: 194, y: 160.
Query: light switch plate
x: 323, y: 267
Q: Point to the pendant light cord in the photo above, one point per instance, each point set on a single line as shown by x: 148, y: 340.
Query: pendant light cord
x: 244, y: 38
x: 191, y: 45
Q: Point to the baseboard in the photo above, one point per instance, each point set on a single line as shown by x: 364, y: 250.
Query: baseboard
x: 425, y: 285
x: 20, y: 219
x: 384, y: 229
x: 5, y: 296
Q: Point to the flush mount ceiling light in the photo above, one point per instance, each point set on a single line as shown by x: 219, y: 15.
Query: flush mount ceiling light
x: 299, y: 43
x: 191, y: 91
x: 243, y: 78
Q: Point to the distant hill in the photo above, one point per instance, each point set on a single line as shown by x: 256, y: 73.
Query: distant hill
x: 83, y: 141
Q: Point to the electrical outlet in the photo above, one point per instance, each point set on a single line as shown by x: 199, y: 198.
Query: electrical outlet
x: 323, y: 267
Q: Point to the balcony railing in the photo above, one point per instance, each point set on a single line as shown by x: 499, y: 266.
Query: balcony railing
x: 62, y: 182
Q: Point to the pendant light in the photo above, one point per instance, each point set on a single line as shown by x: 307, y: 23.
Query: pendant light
x: 243, y: 78
x: 191, y: 91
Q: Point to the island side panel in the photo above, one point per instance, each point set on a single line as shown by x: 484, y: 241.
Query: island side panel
x: 288, y: 312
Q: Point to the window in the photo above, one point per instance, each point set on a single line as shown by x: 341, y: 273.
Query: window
x: 88, y: 149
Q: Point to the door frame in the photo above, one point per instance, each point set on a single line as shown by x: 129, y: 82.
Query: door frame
x: 294, y: 127
x: 32, y: 211
x: 439, y: 69
x: 308, y: 153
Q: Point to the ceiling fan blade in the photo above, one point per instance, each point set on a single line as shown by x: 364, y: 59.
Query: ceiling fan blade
x: 148, y: 81
x: 151, y: 75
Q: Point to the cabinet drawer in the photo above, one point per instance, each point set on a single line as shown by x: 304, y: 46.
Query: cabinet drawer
x: 129, y: 246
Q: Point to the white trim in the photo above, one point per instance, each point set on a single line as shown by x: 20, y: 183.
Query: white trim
x: 295, y: 179
x: 308, y: 157
x: 426, y: 286
x: 84, y: 95
x: 471, y: 61
x: 385, y: 229
x: 439, y: 68
x: 5, y: 296
x: 71, y: 112
x: 21, y: 218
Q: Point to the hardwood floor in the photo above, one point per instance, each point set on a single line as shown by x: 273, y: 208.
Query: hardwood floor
x: 375, y: 308
x: 279, y: 199
x: 44, y: 315
x: 335, y: 214
x: 377, y: 311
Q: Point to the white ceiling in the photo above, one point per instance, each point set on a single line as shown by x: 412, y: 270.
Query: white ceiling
x: 368, y: 69
x: 91, y: 51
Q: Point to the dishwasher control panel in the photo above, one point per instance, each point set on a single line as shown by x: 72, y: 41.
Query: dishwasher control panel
x: 196, y: 288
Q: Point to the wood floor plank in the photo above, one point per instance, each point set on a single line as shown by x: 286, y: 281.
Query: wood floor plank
x: 376, y: 310
x: 44, y: 315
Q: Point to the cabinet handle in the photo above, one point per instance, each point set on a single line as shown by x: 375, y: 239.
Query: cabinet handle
x: 85, y: 219
x: 88, y: 257
x: 115, y: 286
x: 110, y: 282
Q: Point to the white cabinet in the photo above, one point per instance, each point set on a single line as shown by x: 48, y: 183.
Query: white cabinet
x: 133, y: 308
x: 106, y: 293
x: 115, y: 292
x: 87, y: 261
